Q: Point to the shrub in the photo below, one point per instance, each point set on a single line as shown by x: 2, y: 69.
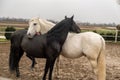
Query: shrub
x: 8, y: 32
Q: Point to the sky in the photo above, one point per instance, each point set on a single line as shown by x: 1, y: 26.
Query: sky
x: 93, y: 11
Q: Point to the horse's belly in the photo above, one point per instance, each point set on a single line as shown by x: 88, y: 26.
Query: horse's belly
x: 72, y: 48
x: 71, y: 55
x: 35, y: 53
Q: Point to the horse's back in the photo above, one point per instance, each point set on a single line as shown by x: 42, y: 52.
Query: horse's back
x: 91, y: 38
x: 35, y: 46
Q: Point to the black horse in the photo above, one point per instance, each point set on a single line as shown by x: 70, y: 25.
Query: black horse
x: 47, y: 46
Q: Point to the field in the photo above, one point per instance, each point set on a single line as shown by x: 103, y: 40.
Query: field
x: 70, y: 69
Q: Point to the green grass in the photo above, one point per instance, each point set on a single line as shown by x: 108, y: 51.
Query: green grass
x: 102, y: 31
x: 2, y: 28
x: 3, y: 40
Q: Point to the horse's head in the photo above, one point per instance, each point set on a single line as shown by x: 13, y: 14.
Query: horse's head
x: 38, y: 26
x: 74, y: 27
x: 34, y: 27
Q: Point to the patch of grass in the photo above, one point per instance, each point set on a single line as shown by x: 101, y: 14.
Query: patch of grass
x: 2, y: 28
x: 102, y: 31
x: 3, y: 40
x: 105, y: 31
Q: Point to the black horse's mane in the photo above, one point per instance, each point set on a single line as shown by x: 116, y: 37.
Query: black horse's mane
x: 59, y: 25
x: 56, y: 30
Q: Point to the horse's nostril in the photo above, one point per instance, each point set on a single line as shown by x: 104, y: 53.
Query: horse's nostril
x: 35, y: 24
x: 29, y: 34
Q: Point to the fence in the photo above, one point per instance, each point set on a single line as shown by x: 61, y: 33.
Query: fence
x: 5, y: 44
x: 109, y: 38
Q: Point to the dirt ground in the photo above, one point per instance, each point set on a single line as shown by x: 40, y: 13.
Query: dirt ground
x: 70, y: 69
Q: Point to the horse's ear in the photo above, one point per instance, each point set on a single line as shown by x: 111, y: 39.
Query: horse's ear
x: 72, y: 17
x: 65, y: 17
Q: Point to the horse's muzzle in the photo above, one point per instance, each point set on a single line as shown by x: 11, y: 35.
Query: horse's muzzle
x: 29, y: 36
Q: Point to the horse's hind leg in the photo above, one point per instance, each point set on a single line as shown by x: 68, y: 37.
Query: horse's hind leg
x: 33, y: 61
x: 17, y: 62
x: 98, y: 64
x: 99, y: 59
x: 94, y: 65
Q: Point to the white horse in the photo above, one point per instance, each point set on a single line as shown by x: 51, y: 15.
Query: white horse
x: 88, y: 44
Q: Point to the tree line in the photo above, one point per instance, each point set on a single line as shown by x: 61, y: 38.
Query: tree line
x: 21, y: 20
x: 13, y: 20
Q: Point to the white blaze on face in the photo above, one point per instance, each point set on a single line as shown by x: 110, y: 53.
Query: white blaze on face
x: 34, y: 27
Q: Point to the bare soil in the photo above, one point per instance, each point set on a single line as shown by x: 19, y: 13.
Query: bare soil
x: 70, y: 69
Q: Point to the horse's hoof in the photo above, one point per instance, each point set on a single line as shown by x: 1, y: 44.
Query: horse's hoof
x: 35, y: 62
x: 57, y: 77
x: 32, y: 69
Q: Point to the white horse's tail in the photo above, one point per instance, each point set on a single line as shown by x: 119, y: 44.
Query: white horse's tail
x: 102, y: 62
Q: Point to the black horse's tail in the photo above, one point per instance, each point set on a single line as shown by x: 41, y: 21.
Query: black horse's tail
x: 14, y: 55
x: 12, y: 58
x: 16, y: 51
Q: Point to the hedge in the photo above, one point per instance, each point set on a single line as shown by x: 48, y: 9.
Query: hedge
x: 8, y: 31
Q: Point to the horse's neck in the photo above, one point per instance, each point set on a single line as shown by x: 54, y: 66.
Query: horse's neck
x: 59, y: 34
x: 71, y: 34
x: 46, y: 26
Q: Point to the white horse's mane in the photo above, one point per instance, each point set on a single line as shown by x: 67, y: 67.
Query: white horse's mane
x: 47, y: 22
x: 45, y: 25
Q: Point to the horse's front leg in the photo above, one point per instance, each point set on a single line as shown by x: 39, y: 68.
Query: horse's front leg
x: 47, y: 66
x: 51, y: 68
x: 58, y: 67
x: 17, y: 71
